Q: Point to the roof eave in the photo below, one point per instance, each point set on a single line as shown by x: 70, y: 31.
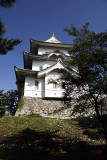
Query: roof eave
x: 38, y: 57
x: 26, y: 71
x: 61, y: 45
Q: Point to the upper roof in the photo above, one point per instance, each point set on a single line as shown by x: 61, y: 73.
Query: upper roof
x: 52, y: 42
x: 53, y: 39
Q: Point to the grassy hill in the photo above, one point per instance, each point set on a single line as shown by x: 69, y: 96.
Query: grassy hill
x: 35, y: 138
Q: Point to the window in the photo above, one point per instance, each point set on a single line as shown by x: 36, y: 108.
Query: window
x: 36, y: 84
x: 41, y: 68
x: 54, y: 85
x: 63, y: 85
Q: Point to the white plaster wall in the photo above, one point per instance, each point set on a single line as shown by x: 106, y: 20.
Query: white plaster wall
x: 36, y: 64
x: 30, y: 89
x: 42, y: 51
x: 49, y: 90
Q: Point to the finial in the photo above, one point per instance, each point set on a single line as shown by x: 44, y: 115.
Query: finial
x: 53, y: 34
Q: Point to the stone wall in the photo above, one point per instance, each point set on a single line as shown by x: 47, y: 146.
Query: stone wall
x: 53, y: 108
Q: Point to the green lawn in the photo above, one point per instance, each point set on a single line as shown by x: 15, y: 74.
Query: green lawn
x: 35, y: 138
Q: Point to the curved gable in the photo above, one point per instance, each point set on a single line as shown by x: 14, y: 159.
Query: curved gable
x: 58, y: 66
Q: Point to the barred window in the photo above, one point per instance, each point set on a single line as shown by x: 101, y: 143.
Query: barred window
x: 54, y: 85
x: 36, y: 84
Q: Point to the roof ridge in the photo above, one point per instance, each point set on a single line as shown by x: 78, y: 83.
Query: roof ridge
x: 53, y: 39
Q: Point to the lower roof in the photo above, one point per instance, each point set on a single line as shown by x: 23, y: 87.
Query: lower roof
x: 21, y: 73
x: 59, y: 65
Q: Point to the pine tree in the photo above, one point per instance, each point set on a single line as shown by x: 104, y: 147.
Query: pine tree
x: 89, y: 54
x: 12, y: 100
x: 6, y: 44
x: 7, y: 3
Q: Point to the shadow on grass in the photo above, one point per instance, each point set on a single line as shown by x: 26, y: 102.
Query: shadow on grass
x: 33, y: 145
x: 91, y: 127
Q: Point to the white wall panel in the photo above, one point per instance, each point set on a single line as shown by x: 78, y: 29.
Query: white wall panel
x: 42, y: 51
x: 37, y: 64
x: 30, y: 90
x: 50, y: 91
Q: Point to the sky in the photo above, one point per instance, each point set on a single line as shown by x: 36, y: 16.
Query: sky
x: 38, y: 19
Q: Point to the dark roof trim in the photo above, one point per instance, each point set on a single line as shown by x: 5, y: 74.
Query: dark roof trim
x: 32, y: 55
x: 25, y: 71
x: 51, y: 44
x: 42, y: 57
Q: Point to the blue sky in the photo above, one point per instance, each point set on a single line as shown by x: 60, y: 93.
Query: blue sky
x: 37, y: 19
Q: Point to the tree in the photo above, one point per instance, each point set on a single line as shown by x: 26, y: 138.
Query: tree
x: 2, y: 103
x: 7, y: 3
x: 89, y: 54
x: 12, y: 100
x: 9, y: 102
x: 6, y: 44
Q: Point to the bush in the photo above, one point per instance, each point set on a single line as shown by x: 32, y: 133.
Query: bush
x: 21, y: 103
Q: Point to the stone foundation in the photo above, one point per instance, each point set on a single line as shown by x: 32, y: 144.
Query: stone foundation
x: 46, y: 107
x: 53, y: 108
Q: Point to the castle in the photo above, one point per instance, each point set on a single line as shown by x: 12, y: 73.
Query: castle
x: 46, y: 60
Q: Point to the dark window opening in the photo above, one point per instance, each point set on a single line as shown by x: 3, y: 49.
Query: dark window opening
x: 63, y: 85
x: 36, y: 84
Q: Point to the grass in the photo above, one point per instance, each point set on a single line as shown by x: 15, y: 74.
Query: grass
x: 27, y: 137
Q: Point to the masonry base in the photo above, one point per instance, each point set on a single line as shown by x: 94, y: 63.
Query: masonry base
x: 53, y: 108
